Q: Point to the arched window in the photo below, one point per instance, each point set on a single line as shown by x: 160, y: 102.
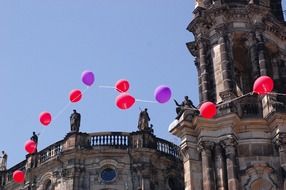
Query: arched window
x: 242, y: 65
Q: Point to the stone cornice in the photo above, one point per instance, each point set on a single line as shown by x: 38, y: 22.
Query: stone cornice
x: 253, y: 16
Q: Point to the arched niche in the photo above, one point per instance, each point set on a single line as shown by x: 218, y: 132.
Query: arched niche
x: 260, y: 176
x: 242, y: 63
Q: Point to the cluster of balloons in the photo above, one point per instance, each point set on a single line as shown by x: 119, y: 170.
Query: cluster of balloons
x: 87, y: 77
x: 45, y: 119
x: 125, y: 101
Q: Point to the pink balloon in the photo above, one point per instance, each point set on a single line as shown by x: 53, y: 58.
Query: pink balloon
x: 263, y: 85
x: 208, y: 110
x: 75, y: 95
x: 122, y: 85
x: 45, y: 118
x: 124, y: 101
x: 30, y: 146
x: 19, y: 176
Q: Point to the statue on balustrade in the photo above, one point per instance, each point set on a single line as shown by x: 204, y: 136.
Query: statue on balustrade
x: 143, y: 122
x: 75, y: 121
x: 187, y: 104
x: 3, y: 161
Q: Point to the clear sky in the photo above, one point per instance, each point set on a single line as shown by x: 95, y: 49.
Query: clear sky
x: 46, y: 45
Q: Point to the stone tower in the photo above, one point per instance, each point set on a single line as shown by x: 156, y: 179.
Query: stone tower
x: 244, y: 145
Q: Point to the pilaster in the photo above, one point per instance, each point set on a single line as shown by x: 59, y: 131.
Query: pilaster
x: 206, y: 148
x: 229, y: 146
x: 220, y: 168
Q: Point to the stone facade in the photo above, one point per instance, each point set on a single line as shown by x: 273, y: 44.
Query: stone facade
x: 102, y: 161
x: 243, y: 146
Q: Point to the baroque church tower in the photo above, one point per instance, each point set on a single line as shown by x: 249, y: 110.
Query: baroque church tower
x: 244, y: 145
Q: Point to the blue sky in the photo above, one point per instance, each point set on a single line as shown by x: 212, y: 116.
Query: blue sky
x: 46, y: 45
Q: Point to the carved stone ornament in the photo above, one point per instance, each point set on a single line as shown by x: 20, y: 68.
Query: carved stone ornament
x: 205, y: 145
x: 280, y: 140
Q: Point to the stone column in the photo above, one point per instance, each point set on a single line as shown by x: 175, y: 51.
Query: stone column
x: 203, y: 68
x: 192, y: 166
x: 261, y: 56
x: 225, y: 65
x: 253, y: 55
x: 220, y: 168
x: 229, y: 146
x: 197, y: 64
x: 207, y: 165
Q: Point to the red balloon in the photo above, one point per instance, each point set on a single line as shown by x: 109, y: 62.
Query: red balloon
x: 19, y: 176
x: 122, y: 85
x: 263, y: 85
x: 208, y: 110
x: 124, y: 101
x: 75, y: 95
x: 30, y: 146
x: 45, y: 118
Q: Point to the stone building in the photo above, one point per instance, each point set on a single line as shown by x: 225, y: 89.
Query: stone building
x: 244, y: 145
x: 101, y: 161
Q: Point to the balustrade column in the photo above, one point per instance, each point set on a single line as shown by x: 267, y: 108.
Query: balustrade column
x: 220, y: 168
x: 207, y: 165
x: 229, y: 146
x: 203, y: 68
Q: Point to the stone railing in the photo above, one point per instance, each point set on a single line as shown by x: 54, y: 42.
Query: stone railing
x: 168, y: 148
x: 108, y: 140
x: 245, y: 107
x: 50, y: 152
x: 124, y: 140
x: 114, y: 139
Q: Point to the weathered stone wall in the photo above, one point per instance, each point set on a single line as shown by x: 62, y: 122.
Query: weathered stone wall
x: 117, y: 161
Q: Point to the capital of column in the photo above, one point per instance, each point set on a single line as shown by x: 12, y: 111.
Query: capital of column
x: 205, y: 146
x: 229, y: 145
x: 202, y: 42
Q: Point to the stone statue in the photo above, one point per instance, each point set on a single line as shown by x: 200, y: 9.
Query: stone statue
x: 34, y: 137
x: 187, y: 104
x: 143, y: 122
x: 3, y: 161
x: 75, y: 121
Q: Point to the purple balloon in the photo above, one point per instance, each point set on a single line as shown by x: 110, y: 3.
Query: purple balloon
x: 162, y: 94
x: 87, y: 77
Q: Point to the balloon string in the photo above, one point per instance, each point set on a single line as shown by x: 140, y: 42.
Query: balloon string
x: 147, y: 101
x: 63, y: 110
x: 103, y: 86
x: 237, y: 98
x: 276, y: 93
